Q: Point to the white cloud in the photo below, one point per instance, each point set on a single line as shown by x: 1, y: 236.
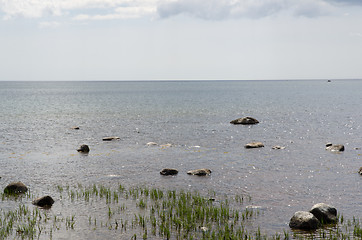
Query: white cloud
x: 205, y: 9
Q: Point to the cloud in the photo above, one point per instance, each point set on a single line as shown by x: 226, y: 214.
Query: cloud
x: 49, y: 24
x: 204, y: 9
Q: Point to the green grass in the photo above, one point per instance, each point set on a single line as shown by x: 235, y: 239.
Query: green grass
x: 152, y: 213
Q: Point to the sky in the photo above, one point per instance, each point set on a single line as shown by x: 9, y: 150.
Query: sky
x: 180, y: 39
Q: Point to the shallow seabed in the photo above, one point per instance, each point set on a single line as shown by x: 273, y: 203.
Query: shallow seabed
x: 38, y: 145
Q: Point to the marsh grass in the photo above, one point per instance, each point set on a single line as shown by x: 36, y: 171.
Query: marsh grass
x: 152, y: 213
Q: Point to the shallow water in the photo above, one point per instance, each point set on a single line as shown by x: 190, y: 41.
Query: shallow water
x: 38, y: 145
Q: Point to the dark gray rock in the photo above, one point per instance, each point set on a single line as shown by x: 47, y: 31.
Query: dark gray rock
x: 324, y: 213
x: 254, y: 145
x: 334, y: 147
x: 304, y: 220
x: 46, y: 201
x: 168, y: 171
x: 245, y: 121
x: 110, y: 138
x: 15, y: 188
x: 200, y: 172
x: 84, y: 149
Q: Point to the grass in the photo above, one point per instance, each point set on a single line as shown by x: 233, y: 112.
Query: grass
x: 152, y: 213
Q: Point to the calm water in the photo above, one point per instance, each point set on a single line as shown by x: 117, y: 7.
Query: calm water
x: 38, y: 146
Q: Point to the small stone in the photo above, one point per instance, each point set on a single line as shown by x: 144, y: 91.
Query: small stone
x: 254, y: 145
x: 334, y: 148
x: 45, y: 201
x: 151, y: 144
x: 200, y: 172
x: 324, y: 213
x: 15, y: 188
x: 304, y: 220
x: 110, y: 138
x: 166, y: 145
x: 75, y: 128
x: 278, y: 147
x: 245, y: 121
x: 83, y: 148
x: 168, y: 171
x: 360, y: 171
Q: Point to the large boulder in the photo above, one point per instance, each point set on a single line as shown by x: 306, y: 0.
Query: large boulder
x: 254, y: 145
x: 200, y: 172
x: 245, y: 121
x: 15, y: 188
x: 324, y: 213
x: 168, y: 171
x: 304, y: 220
x: 46, y: 201
x: 83, y: 148
x: 334, y: 147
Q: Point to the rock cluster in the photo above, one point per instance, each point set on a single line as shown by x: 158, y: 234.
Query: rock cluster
x: 319, y: 214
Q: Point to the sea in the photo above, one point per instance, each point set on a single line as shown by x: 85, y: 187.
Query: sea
x: 38, y: 142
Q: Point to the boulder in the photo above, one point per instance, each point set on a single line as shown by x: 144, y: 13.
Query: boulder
x: 334, y: 148
x: 254, y: 145
x: 166, y: 145
x: 304, y: 220
x: 168, y: 171
x: 46, y: 201
x: 245, y: 121
x: 324, y: 213
x: 110, y: 138
x: 15, y: 188
x: 83, y: 148
x: 200, y: 172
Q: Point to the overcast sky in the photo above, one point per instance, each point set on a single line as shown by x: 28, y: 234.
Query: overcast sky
x: 180, y: 39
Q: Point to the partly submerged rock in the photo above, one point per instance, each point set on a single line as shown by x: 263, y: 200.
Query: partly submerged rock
x: 15, y: 188
x: 83, y: 148
x: 169, y: 171
x: 110, y: 138
x: 151, y: 144
x: 360, y: 171
x: 278, y: 147
x: 46, y: 201
x: 254, y: 145
x: 304, y: 220
x: 200, y: 172
x: 334, y: 147
x: 245, y: 121
x: 324, y: 213
x: 75, y: 128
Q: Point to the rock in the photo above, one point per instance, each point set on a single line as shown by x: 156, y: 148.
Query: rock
x: 168, y: 171
x: 254, y: 145
x: 324, y: 213
x: 245, y: 121
x: 166, y: 145
x: 151, y: 144
x: 15, y: 188
x: 110, y: 138
x: 334, y: 148
x: 83, y: 148
x: 360, y: 170
x: 200, y: 172
x: 75, y: 128
x: 45, y: 201
x: 304, y: 220
x: 278, y: 147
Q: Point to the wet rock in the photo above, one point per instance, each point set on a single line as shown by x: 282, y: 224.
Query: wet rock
x: 168, y: 171
x: 360, y: 171
x: 254, y: 145
x: 334, y: 148
x: 324, y: 213
x: 15, y: 188
x: 151, y: 144
x: 110, y: 138
x: 304, y: 220
x: 278, y: 147
x: 46, y: 201
x: 83, y: 148
x: 200, y: 172
x: 245, y: 121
